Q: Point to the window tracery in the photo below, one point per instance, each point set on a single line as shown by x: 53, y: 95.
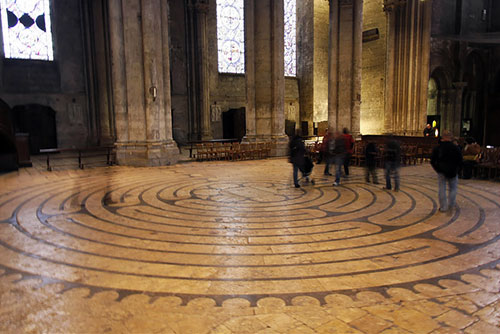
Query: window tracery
x: 230, y: 36
x: 26, y: 29
x: 290, y: 38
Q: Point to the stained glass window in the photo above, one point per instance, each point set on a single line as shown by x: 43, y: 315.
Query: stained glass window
x: 26, y: 29
x: 231, y: 36
x: 290, y: 38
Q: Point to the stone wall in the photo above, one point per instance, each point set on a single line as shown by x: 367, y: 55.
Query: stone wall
x: 60, y: 84
x: 374, y: 67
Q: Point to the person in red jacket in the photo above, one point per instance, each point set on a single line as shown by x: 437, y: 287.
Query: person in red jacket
x: 326, y: 151
x: 349, y: 145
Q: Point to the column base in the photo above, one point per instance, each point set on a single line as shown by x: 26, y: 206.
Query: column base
x: 280, y: 146
x: 146, y: 154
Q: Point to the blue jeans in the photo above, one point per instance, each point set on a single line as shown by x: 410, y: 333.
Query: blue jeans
x: 452, y: 188
x: 390, y: 168
x: 295, y: 174
x: 339, y: 162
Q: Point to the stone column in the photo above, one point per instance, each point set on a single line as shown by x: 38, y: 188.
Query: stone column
x: 166, y: 75
x: 409, y: 42
x: 278, y: 76
x: 425, y: 65
x: 389, y: 9
x: 100, y: 67
x: 145, y: 38
x: 250, y: 70
x: 344, y: 79
x: 357, y: 60
x: 265, y: 73
x: 153, y: 76
x: 333, y: 49
x: 118, y: 70
x: 201, y: 7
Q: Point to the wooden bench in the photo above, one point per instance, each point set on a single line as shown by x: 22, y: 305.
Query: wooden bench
x: 80, y: 154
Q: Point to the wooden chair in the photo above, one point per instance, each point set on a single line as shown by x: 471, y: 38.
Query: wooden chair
x: 358, y: 154
x: 219, y: 150
x: 267, y: 149
x: 235, y: 151
x: 244, y: 151
x: 201, y: 152
x: 211, y: 153
x: 227, y: 150
x: 489, y: 164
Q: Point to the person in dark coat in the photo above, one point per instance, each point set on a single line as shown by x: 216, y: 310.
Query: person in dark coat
x: 339, y: 153
x: 392, y: 157
x: 349, y: 145
x: 297, y: 151
x: 446, y: 159
x: 428, y: 131
x: 371, y: 152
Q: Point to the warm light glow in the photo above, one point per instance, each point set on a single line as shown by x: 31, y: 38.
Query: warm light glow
x: 436, y: 133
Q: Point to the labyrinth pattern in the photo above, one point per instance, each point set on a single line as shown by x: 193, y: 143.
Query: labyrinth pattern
x: 225, y: 230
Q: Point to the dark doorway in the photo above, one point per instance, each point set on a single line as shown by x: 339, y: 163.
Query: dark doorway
x: 40, y: 122
x: 234, y: 123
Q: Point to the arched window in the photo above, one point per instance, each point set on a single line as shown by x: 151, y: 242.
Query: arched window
x: 231, y: 36
x: 290, y: 38
x: 26, y: 29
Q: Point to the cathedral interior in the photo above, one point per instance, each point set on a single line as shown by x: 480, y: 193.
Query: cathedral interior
x: 154, y: 241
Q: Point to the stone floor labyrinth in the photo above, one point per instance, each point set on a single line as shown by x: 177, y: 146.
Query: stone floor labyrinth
x: 227, y: 231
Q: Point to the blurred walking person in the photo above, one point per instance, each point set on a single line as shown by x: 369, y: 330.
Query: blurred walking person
x: 446, y: 160
x: 371, y: 152
x: 339, y: 153
x: 349, y: 145
x: 392, y: 157
x: 297, y: 151
x: 327, y: 147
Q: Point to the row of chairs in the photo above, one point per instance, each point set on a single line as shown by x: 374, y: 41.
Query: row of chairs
x: 489, y: 163
x: 232, y: 151
x: 410, y: 154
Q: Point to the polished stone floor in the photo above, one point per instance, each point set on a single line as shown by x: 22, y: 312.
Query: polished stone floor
x: 232, y: 247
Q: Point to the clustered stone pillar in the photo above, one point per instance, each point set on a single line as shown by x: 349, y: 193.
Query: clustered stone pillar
x: 141, y: 87
x: 201, y: 7
x: 409, y: 31
x: 345, y: 43
x: 265, y: 76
